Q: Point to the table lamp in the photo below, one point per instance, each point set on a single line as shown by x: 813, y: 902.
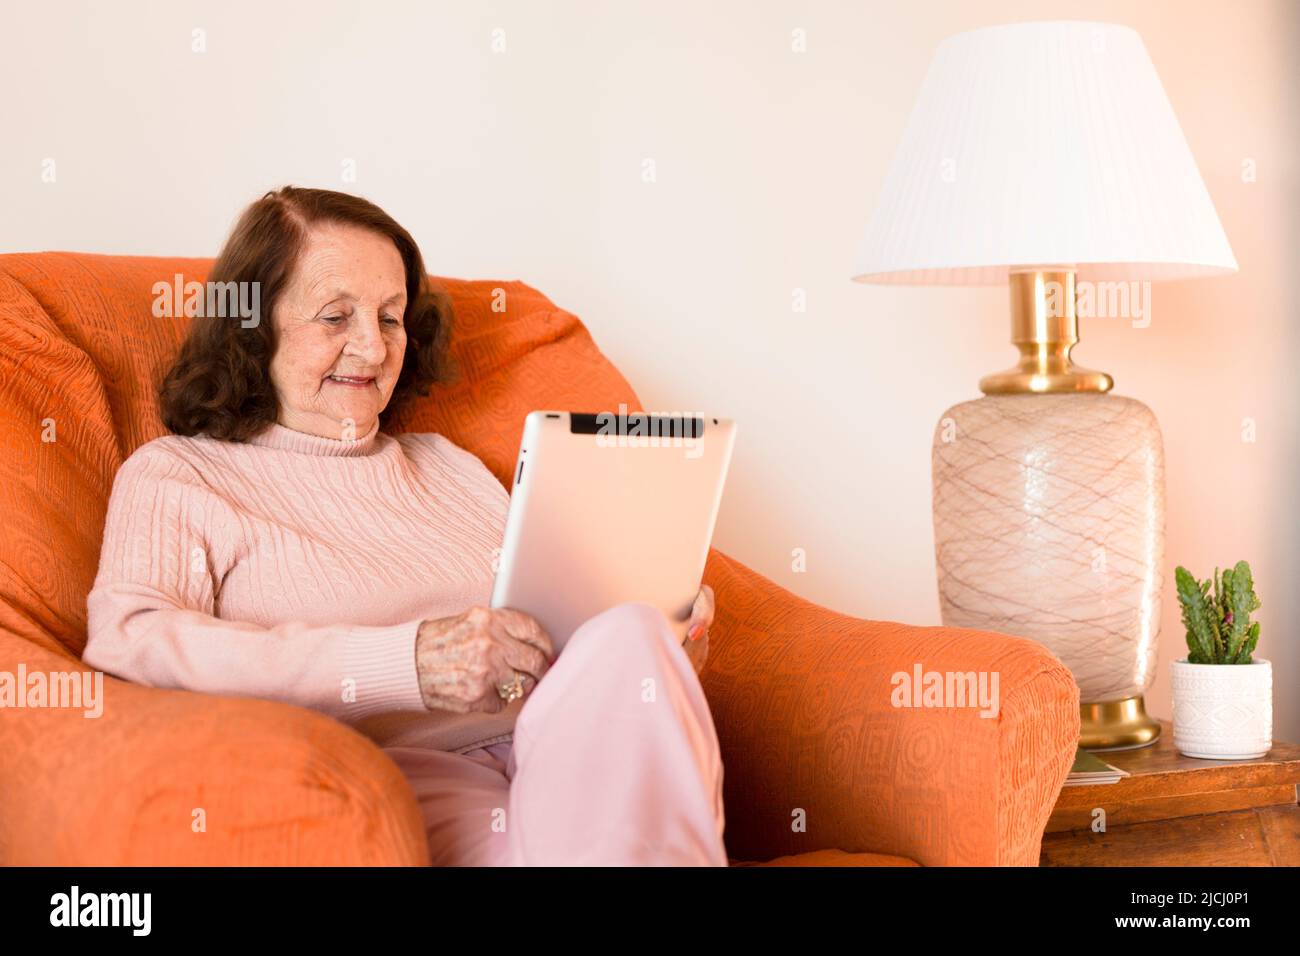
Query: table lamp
x: 1047, y: 156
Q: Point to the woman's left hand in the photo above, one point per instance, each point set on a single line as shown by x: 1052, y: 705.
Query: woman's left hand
x: 697, y: 634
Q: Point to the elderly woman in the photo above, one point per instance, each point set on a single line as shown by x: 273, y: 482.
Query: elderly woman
x: 280, y: 545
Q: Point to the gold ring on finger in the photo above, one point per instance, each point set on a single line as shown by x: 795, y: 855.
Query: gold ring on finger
x: 512, y: 690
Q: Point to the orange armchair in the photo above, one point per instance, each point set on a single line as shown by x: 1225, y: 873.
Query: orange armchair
x: 819, y: 767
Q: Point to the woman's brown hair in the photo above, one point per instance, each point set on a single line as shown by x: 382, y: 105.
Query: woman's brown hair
x: 220, y: 384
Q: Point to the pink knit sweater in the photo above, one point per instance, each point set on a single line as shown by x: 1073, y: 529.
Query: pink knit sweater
x: 298, y: 568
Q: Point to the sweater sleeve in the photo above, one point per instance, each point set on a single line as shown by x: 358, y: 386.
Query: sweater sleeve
x: 150, y: 613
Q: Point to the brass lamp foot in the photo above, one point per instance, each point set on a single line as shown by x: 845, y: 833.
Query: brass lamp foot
x: 1117, y: 725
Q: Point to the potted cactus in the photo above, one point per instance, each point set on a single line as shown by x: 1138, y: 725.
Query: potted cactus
x: 1223, y: 694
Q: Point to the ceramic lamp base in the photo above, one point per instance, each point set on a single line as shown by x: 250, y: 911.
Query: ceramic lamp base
x: 1049, y: 524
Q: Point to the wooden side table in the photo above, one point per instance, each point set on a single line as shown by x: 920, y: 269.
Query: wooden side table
x: 1182, y: 811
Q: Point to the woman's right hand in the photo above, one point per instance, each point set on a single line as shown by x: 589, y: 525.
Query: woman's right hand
x: 462, y: 660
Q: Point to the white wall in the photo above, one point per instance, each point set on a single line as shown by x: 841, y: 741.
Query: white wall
x: 528, y: 164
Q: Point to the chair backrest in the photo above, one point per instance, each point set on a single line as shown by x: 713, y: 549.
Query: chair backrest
x: 81, y: 356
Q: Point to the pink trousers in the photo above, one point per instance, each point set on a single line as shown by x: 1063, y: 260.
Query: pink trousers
x: 614, y: 762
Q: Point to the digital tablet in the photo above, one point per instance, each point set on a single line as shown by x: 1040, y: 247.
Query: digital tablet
x: 611, y: 507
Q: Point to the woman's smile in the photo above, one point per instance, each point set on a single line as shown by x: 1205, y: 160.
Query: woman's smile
x: 351, y: 381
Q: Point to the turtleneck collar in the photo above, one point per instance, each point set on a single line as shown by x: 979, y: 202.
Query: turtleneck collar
x: 280, y: 436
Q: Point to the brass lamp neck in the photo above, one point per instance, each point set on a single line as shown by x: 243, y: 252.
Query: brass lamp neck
x: 1044, y: 327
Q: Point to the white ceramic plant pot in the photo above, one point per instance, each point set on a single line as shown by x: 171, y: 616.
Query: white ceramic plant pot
x: 1223, y: 711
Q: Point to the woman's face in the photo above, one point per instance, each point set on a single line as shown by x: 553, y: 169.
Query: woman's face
x: 341, y: 338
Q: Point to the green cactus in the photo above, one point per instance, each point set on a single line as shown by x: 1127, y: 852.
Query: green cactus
x: 1249, y: 646
x: 1216, y: 613
x: 1237, y: 601
x: 1196, y: 618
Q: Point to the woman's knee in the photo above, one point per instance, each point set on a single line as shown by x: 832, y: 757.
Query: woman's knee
x: 631, y: 621
x: 639, y: 615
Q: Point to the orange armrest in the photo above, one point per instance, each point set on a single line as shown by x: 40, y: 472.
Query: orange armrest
x: 820, y: 752
x: 174, y: 778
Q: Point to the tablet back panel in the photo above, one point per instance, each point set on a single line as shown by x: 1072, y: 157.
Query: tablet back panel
x: 600, y: 515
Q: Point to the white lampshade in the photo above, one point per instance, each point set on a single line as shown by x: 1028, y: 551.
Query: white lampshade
x: 1042, y: 144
